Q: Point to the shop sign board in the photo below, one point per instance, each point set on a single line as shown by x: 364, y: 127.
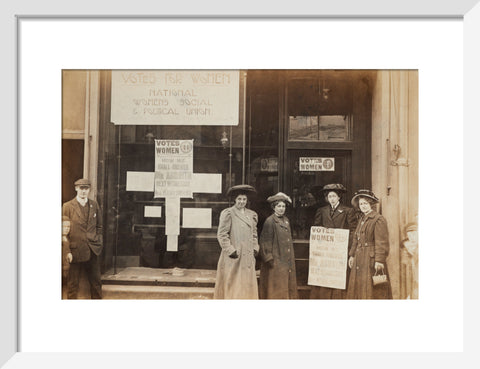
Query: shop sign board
x: 328, y: 257
x: 175, y: 97
x: 316, y: 164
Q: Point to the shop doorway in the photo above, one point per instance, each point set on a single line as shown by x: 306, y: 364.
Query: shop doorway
x: 307, y: 179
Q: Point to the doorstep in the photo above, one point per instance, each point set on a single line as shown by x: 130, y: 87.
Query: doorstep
x: 160, y: 277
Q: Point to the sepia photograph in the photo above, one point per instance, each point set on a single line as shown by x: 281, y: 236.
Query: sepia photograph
x: 240, y: 184
x: 242, y: 187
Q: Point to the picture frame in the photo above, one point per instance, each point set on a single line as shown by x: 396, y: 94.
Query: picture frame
x: 10, y: 356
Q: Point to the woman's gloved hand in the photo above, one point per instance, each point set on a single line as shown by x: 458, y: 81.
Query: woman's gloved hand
x: 234, y: 255
x: 350, y: 262
x: 379, y: 266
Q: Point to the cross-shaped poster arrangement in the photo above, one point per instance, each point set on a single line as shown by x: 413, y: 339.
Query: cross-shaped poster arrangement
x: 174, y: 179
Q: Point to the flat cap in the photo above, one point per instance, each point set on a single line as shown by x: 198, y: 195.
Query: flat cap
x: 280, y: 196
x: 83, y: 182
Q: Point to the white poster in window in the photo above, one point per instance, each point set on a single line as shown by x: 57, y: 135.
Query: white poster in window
x: 207, y: 183
x: 328, y: 257
x: 172, y: 215
x: 152, y: 212
x: 175, y: 97
x: 172, y: 242
x: 140, y: 181
x: 316, y: 164
x: 197, y: 218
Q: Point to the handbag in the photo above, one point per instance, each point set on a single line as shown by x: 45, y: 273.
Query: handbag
x: 379, y: 279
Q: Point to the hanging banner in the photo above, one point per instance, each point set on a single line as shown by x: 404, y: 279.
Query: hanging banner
x: 328, y: 257
x: 175, y: 97
x: 173, y: 168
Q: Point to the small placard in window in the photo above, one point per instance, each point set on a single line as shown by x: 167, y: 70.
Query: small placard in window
x: 316, y: 164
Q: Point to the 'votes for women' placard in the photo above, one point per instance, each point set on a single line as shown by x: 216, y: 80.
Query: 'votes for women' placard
x: 328, y: 257
x: 173, y: 168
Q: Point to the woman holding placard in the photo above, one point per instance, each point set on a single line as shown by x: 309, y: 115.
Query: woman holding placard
x: 369, y: 277
x: 237, y: 236
x: 334, y: 215
x: 277, y: 273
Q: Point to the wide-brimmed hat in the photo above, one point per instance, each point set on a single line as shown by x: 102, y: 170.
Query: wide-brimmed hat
x: 83, y: 182
x: 243, y: 188
x: 337, y: 187
x: 280, y: 196
x: 363, y: 193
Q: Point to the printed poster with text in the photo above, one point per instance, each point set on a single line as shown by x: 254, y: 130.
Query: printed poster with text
x: 328, y: 257
x: 173, y: 168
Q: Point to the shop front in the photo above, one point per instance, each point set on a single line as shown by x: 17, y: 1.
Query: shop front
x: 291, y: 130
x: 296, y: 131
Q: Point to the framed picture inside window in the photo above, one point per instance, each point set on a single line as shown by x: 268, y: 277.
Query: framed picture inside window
x: 322, y: 128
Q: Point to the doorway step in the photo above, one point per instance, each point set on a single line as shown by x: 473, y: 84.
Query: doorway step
x: 141, y: 283
x: 154, y: 283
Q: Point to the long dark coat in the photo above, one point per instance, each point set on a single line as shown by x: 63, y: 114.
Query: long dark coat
x: 85, y: 233
x: 344, y: 218
x: 236, y: 278
x: 370, y: 244
x: 279, y: 281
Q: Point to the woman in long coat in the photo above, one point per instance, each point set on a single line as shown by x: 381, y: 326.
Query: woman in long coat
x: 369, y: 251
x: 277, y: 273
x: 334, y: 215
x: 237, y: 236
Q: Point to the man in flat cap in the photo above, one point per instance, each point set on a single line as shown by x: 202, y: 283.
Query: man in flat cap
x: 85, y: 240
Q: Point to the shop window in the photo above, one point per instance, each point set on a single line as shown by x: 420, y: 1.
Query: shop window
x: 140, y: 233
x: 262, y: 149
